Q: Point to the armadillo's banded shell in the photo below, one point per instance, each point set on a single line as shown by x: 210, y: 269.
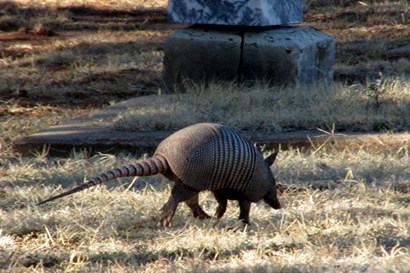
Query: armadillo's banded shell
x: 210, y: 156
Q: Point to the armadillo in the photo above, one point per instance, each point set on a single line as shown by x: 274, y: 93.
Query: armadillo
x: 204, y: 156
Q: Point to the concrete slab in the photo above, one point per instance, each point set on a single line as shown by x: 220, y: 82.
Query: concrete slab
x: 95, y: 133
x: 400, y: 52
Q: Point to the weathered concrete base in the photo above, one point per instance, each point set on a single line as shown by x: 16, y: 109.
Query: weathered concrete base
x: 288, y: 55
x: 200, y: 55
x: 279, y: 56
x: 96, y: 133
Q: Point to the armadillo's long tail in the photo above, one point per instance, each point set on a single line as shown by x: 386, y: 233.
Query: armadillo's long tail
x: 150, y: 166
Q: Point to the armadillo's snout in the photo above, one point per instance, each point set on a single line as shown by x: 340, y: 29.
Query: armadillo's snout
x: 272, y: 200
x: 277, y: 204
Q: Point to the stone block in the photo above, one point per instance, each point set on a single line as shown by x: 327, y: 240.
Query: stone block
x: 236, y: 12
x: 201, y: 56
x: 288, y: 55
x: 278, y: 56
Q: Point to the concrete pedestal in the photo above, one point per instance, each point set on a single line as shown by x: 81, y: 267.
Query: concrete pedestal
x: 200, y: 56
x: 278, y: 56
x: 288, y: 55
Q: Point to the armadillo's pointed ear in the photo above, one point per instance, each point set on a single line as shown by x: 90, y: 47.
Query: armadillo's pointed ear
x: 270, y: 159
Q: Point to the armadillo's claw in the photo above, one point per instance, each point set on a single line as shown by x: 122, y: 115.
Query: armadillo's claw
x: 166, y: 221
x: 168, y: 211
x: 199, y: 213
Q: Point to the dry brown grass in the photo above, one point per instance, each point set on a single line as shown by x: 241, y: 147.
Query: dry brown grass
x: 383, y: 107
x: 365, y: 32
x: 106, y: 4
x: 84, y: 67
x: 99, y: 54
x: 109, y: 50
x: 345, y: 210
x: 362, y: 223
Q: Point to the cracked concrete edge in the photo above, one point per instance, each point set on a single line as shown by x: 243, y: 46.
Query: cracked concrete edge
x: 94, y: 133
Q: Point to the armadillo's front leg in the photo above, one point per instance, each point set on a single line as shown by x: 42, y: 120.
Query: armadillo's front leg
x: 196, y: 209
x: 180, y: 193
x: 222, y: 202
x: 245, y: 207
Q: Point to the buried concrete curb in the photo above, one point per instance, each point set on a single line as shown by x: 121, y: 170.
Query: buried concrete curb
x: 95, y: 133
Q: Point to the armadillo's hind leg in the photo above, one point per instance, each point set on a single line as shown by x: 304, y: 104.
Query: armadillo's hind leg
x: 196, y: 209
x: 222, y: 202
x: 245, y: 206
x: 180, y: 193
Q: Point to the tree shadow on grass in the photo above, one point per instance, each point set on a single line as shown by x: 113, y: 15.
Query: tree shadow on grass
x: 57, y: 79
x: 78, y: 18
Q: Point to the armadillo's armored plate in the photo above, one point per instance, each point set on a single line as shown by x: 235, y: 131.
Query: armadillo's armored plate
x: 210, y: 156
